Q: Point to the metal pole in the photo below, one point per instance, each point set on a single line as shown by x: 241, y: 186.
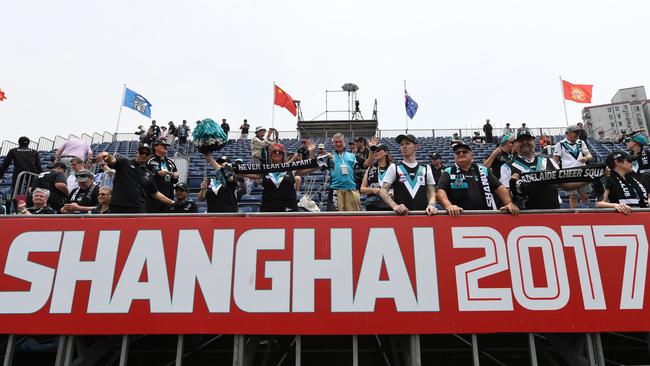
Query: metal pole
x: 566, y: 117
x: 475, y: 358
x: 238, y: 350
x: 298, y: 350
x: 179, y: 349
x: 9, y: 352
x: 600, y: 356
x: 532, y: 349
x: 124, y: 350
x: 60, y: 351
x: 414, y: 350
x: 119, y: 114
x: 273, y: 108
x: 69, y: 351
x: 355, y: 351
x: 406, y: 117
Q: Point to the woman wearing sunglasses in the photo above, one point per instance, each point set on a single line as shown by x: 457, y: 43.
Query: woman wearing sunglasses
x: 104, y: 198
x: 279, y: 188
x: 623, y: 190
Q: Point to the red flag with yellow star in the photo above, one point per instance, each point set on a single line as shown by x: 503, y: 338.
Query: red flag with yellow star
x: 284, y: 100
x: 2, y: 95
x: 579, y: 93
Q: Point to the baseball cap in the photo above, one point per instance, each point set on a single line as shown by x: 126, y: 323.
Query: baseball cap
x: 618, y: 155
x: 83, y: 175
x: 259, y: 128
x: 504, y: 139
x: 524, y: 133
x: 408, y: 136
x: 351, y: 143
x: 435, y: 156
x: 639, y: 138
x: 573, y: 128
x: 321, y: 146
x: 379, y: 147
x: 360, y: 139
x: 456, y: 144
x: 59, y: 164
x: 181, y: 186
x: 144, y: 147
x: 160, y: 142
x: 222, y: 159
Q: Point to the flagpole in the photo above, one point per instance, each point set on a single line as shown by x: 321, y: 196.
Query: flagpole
x: 273, y: 106
x: 406, y: 117
x: 119, y: 114
x: 566, y: 117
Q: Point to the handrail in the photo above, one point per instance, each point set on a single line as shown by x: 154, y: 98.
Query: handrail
x: 45, y: 144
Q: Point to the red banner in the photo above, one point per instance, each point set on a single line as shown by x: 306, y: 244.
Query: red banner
x: 324, y: 274
x: 579, y: 93
x: 284, y: 100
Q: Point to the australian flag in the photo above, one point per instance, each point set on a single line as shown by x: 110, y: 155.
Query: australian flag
x: 410, y: 104
x: 137, y: 102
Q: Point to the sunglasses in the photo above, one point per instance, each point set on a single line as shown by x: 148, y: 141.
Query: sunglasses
x: 103, y: 194
x: 624, y: 159
x: 144, y: 152
x: 461, y: 152
x: 277, y: 152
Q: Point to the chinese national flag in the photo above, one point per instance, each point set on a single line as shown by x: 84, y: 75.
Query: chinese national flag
x: 577, y: 92
x: 2, y: 95
x: 283, y: 99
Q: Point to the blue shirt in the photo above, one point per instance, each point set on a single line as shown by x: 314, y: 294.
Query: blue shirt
x: 341, y: 181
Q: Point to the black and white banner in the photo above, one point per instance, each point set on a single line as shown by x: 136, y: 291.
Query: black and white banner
x: 567, y: 175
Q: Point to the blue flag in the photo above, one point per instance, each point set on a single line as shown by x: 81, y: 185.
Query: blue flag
x: 410, y: 104
x: 137, y: 102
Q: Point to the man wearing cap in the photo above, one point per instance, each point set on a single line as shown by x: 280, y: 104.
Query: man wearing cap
x: 302, y: 152
x: 413, y: 184
x: 166, y: 175
x: 321, y: 150
x: 525, y: 196
x: 84, y: 198
x: 133, y: 182
x: 342, y: 176
x: 470, y: 186
x: 182, y: 203
x: 244, y: 130
x: 54, y: 182
x: 436, y: 166
x: 260, y: 144
x: 641, y: 162
x: 501, y: 155
x: 572, y: 152
x: 622, y: 189
x: 362, y: 153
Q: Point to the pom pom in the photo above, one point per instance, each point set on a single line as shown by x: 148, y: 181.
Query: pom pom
x: 209, y: 136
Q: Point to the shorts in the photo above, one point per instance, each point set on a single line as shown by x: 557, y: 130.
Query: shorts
x: 348, y: 200
x: 586, y: 189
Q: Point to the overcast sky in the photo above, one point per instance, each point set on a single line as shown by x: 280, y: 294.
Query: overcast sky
x: 63, y: 63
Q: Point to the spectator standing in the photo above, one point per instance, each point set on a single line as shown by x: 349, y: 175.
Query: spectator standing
x: 321, y: 150
x: 572, y: 152
x: 155, y: 130
x: 166, y: 176
x: 508, y: 130
x: 470, y: 186
x: 244, y: 130
x: 82, y: 199
x: 104, y: 201
x: 583, y: 133
x: 73, y: 148
x: 260, y: 144
x: 183, y: 132
x: 76, y: 166
x: 501, y: 155
x: 622, y: 189
x: 182, y: 203
x: 637, y: 144
x: 141, y: 133
x: 40, y: 197
x: 303, y: 150
x: 23, y: 158
x: 362, y: 153
x: 436, y: 166
x: 225, y: 126
x: 371, y: 184
x: 163, y: 134
x: 413, y: 184
x: 487, y: 129
x: 54, y: 182
x: 172, y: 132
x: 133, y: 182
x: 342, y: 176
x: 219, y: 191
x: 105, y: 176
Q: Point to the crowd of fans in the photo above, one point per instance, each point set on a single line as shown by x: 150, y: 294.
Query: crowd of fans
x: 78, y: 183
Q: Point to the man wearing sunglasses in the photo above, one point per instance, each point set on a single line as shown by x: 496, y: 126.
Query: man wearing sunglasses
x: 622, y: 189
x: 165, y: 175
x: 470, y: 186
x: 133, y: 182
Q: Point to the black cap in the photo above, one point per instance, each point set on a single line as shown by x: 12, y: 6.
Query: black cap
x: 144, y: 146
x: 379, y: 147
x: 351, y: 143
x: 223, y: 159
x: 617, y: 155
x: 360, y: 139
x: 523, y: 133
x: 59, y: 164
x: 23, y: 141
x: 456, y: 144
x: 408, y: 136
x: 160, y: 142
x: 181, y: 186
x: 435, y: 156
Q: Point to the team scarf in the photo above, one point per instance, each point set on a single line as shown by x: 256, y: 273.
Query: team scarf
x: 280, y: 167
x: 637, y: 196
x: 486, y: 193
x: 567, y: 175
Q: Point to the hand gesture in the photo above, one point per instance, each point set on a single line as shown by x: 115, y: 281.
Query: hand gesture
x: 374, y: 141
x: 21, y: 205
x: 311, y: 146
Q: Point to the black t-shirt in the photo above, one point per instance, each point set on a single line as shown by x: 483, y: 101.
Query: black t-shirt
x: 465, y: 189
x: 436, y: 171
x: 84, y: 197
x: 48, y: 180
x: 132, y: 184
x: 164, y: 184
x: 303, y: 152
x: 24, y: 159
x: 244, y: 128
x: 225, y: 127
x: 47, y: 210
x: 540, y: 196
x: 187, y: 206
x: 279, y: 187
x: 627, y: 190
x: 223, y: 201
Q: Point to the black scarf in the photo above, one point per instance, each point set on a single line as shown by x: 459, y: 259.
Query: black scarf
x: 567, y: 175
x: 280, y: 167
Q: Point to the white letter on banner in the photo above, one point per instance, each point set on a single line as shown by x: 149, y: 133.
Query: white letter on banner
x: 471, y: 297
x: 213, y: 275
x: 382, y: 246
x: 147, y: 250
x: 633, y: 238
x: 247, y: 297
x: 555, y: 294
x: 71, y: 269
x: 426, y: 274
x: 582, y: 241
x: 40, y: 277
x: 338, y: 269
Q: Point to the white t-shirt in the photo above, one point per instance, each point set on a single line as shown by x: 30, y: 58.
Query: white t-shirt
x: 570, y: 153
x: 391, y: 172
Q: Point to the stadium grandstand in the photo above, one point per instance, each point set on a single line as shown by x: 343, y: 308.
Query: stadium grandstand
x: 577, y: 336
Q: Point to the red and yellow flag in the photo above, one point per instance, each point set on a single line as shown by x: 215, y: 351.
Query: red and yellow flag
x: 2, y: 95
x: 579, y: 93
x: 284, y: 100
